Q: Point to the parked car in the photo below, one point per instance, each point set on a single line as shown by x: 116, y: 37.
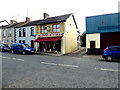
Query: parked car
x: 22, y: 48
x: 5, y: 48
x: 94, y: 51
x: 111, y: 53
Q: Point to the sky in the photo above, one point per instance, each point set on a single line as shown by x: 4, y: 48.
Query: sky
x: 20, y: 9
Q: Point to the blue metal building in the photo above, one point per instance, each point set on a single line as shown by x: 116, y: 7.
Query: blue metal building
x: 103, y: 30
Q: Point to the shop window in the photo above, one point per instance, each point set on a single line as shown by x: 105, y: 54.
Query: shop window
x: 56, y: 28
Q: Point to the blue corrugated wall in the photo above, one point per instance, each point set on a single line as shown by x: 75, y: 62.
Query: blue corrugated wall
x: 103, y: 23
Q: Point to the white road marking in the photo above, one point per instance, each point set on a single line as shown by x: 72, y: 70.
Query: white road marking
x: 103, y: 69
x: 12, y: 58
x: 65, y: 65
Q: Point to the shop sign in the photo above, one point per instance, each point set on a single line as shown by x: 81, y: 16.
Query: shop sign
x: 51, y: 35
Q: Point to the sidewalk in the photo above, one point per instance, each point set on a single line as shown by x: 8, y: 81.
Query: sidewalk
x: 51, y: 54
x: 92, y: 56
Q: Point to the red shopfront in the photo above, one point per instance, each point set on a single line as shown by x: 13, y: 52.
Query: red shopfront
x: 49, y: 43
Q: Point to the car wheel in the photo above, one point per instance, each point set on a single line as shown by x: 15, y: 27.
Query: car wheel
x: 23, y: 52
x: 109, y: 58
x: 12, y: 51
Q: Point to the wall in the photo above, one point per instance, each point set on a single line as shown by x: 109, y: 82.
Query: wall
x: 0, y: 36
x: 93, y: 37
x: 9, y: 40
x: 28, y: 37
x: 38, y: 30
x: 70, y: 36
x: 103, y: 23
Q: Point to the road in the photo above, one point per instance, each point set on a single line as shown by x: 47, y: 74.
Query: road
x: 43, y: 71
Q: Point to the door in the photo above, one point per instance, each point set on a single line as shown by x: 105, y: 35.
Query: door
x: 32, y: 44
x: 92, y: 44
x: 115, y: 53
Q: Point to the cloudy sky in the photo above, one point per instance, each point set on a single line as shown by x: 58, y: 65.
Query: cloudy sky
x: 19, y: 9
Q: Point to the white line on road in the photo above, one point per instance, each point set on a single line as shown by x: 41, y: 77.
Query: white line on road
x: 65, y: 65
x: 103, y: 69
x: 12, y: 58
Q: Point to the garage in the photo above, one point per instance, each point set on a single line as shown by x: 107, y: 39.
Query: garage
x: 109, y: 39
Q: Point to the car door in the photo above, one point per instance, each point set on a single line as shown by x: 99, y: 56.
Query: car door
x: 19, y: 48
x: 114, y: 52
x: 118, y: 52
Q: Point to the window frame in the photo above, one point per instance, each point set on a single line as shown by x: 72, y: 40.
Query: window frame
x: 32, y: 29
x: 24, y: 32
x: 55, y: 29
x: 20, y: 33
x: 43, y: 28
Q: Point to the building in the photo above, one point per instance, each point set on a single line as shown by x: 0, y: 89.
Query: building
x: 24, y: 32
x: 56, y: 34
x: 8, y: 34
x: 103, y: 31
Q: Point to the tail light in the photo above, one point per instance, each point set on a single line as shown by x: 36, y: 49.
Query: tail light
x: 105, y: 49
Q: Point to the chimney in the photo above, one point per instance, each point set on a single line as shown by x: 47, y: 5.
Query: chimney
x: 27, y: 19
x: 13, y: 21
x: 45, y: 15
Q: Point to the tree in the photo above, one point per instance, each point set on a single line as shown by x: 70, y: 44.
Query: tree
x: 83, y: 39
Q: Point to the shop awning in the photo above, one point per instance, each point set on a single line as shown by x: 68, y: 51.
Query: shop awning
x: 47, y: 39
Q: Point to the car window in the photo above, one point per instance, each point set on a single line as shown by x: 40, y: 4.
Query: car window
x: 118, y: 48
x: 20, y: 46
x: 114, y: 49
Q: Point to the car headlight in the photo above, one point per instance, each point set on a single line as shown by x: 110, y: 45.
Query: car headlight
x: 28, y: 49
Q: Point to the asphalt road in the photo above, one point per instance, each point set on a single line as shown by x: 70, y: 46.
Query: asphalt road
x: 43, y: 71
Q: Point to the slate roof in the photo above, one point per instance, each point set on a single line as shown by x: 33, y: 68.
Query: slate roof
x: 10, y: 25
x: 50, y: 20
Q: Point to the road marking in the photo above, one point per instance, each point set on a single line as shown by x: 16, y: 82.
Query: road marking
x: 65, y: 65
x: 12, y: 58
x: 103, y: 69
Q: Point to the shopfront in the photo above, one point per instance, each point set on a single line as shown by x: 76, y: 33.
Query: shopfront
x: 50, y: 43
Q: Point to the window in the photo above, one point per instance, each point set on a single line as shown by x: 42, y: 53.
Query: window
x: 4, y: 33
x: 56, y: 28
x: 19, y: 41
x: 32, y: 31
x: 114, y: 49
x: 20, y: 33
x: 24, y: 32
x: 23, y: 41
x: 10, y: 33
x: 43, y: 29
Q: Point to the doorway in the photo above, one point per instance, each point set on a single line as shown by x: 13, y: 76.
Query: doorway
x: 92, y: 44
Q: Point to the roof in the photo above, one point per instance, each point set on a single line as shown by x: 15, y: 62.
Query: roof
x: 10, y: 25
x: 50, y: 20
x: 103, y: 15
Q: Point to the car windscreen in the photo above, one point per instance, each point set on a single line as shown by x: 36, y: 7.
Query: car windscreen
x: 6, y: 45
x: 27, y: 46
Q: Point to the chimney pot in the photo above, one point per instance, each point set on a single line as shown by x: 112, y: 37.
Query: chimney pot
x: 45, y: 15
x: 27, y: 19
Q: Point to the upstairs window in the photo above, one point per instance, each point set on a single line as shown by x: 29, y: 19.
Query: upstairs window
x: 43, y: 29
x: 56, y: 28
x: 20, y: 33
x: 24, y: 33
x: 4, y: 33
x: 32, y: 31
x: 10, y: 33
